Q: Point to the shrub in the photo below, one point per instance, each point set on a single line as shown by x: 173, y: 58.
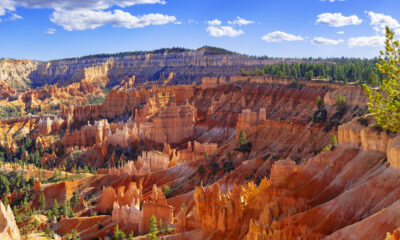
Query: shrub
x: 167, y: 190
x: 228, y: 166
x: 118, y: 234
x: 341, y: 104
x: 334, y: 140
x: 242, y: 138
x: 318, y: 102
x: 201, y: 169
x: 363, y: 121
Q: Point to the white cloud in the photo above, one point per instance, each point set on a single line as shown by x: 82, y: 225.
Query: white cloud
x: 373, y: 41
x: 340, y: 32
x: 14, y: 17
x: 78, y: 4
x: 90, y: 14
x: 87, y: 19
x: 338, y: 20
x: 6, y: 5
x: 214, y: 22
x: 221, y: 31
x: 240, y: 21
x: 279, y: 36
x: 51, y: 31
x: 380, y: 21
x: 325, y: 41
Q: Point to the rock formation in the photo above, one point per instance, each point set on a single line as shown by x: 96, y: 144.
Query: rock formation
x: 157, y: 206
x: 8, y: 226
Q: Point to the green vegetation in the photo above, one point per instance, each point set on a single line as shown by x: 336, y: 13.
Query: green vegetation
x: 9, y: 112
x: 42, y: 202
x: 334, y: 141
x: 332, y: 69
x: 153, y: 225
x: 167, y: 191
x: 242, y: 138
x: 340, y: 104
x: 228, y: 166
x: 201, y: 169
x: 244, y: 145
x: 385, y: 103
x: 318, y: 102
x: 94, y: 100
x: 118, y: 234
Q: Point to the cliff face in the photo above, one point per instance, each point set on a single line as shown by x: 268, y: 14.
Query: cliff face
x: 17, y: 72
x: 189, y: 66
x: 8, y: 226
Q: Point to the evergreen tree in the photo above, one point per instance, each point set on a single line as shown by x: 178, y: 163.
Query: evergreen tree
x: 42, y: 202
x: 318, y: 102
x: 153, y: 225
x: 56, y: 207
x: 130, y: 236
x: 334, y: 140
x: 385, y: 104
x: 75, y: 198
x: 118, y: 234
x: 242, y: 138
x: 340, y: 104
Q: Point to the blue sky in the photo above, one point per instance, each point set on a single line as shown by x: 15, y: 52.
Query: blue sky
x: 52, y: 29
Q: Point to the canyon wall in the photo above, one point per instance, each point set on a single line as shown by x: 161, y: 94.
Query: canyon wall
x: 187, y: 65
x: 371, y: 139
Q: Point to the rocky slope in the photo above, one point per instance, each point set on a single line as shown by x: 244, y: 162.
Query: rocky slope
x: 179, y: 153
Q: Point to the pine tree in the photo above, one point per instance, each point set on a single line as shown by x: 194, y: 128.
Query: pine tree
x: 75, y: 198
x: 318, y: 102
x: 42, y: 202
x: 242, y: 138
x: 153, y: 225
x: 56, y: 207
x: 118, y: 234
x: 130, y: 236
x: 334, y: 140
x: 385, y: 104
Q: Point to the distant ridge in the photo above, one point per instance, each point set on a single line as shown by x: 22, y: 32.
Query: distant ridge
x: 207, y: 51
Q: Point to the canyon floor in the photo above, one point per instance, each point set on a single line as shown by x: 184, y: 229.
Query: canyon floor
x: 235, y: 157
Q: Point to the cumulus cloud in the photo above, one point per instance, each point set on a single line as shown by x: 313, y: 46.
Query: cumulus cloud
x: 88, y: 19
x: 372, y: 41
x: 325, y: 41
x: 222, y: 31
x: 338, y: 20
x: 6, y: 5
x: 90, y: 14
x: 340, y: 32
x: 240, y: 21
x: 51, y: 31
x: 77, y: 4
x: 279, y: 36
x: 214, y: 22
x: 380, y: 21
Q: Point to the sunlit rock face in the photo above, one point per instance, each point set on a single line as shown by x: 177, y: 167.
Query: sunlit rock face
x: 8, y: 227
